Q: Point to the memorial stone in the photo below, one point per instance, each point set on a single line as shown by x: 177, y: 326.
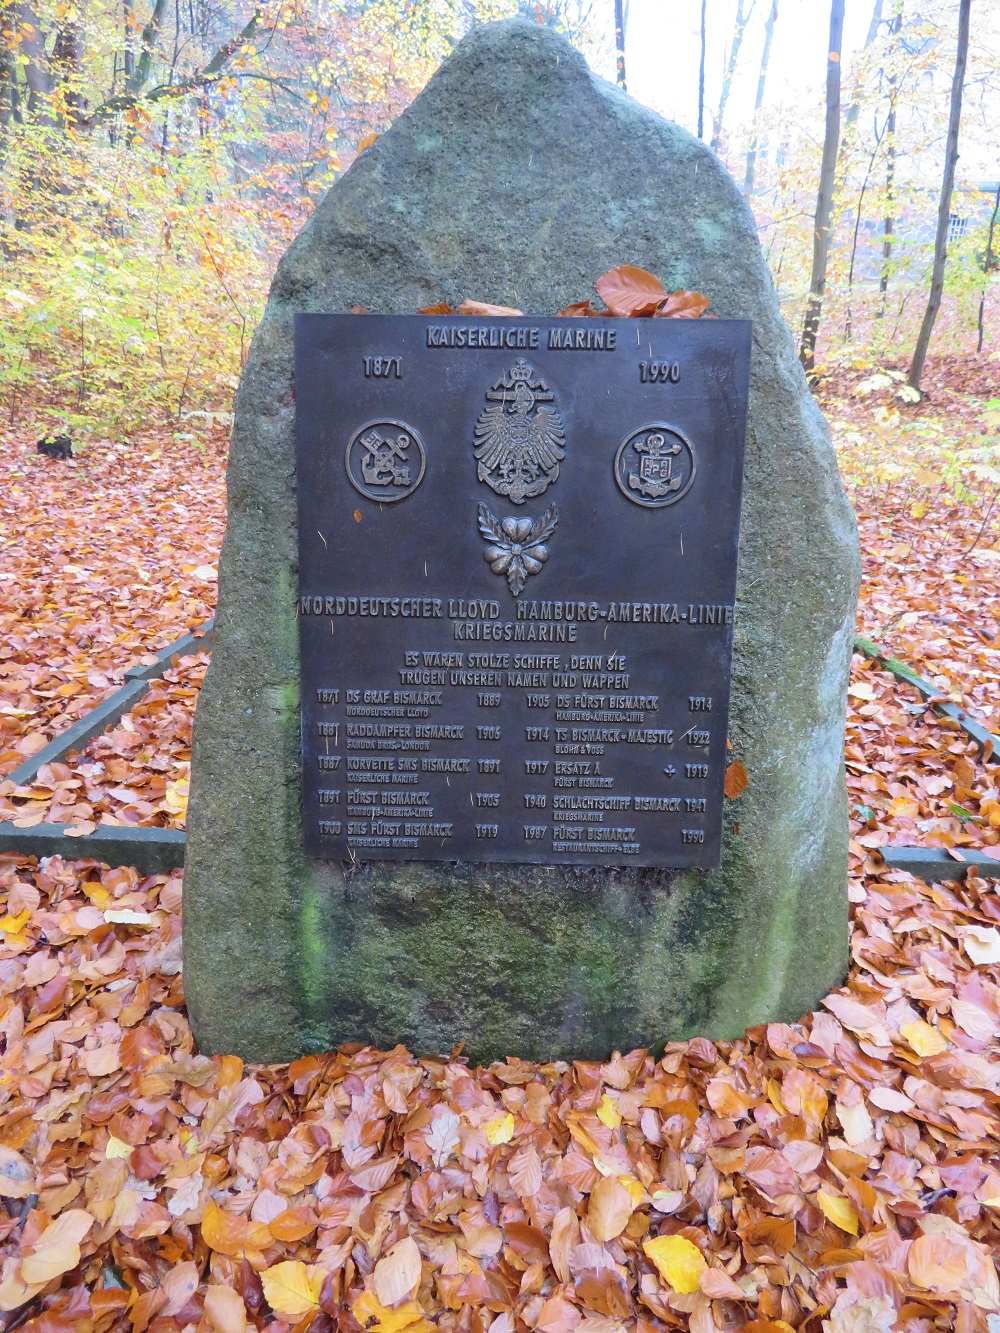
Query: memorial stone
x: 459, y: 757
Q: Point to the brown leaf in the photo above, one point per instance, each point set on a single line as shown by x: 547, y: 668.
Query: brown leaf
x: 629, y: 291
x: 735, y: 783
x: 525, y: 1171
x: 484, y: 308
x: 683, y: 305
x: 611, y: 1206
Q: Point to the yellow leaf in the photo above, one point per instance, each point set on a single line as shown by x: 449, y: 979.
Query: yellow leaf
x: 918, y: 510
x: 500, y: 1130
x: 923, y: 1039
x: 677, y: 1260
x: 378, y: 1318
x: 586, y: 1142
x: 904, y: 807
x: 175, y: 800
x: 634, y: 1188
x: 11, y: 925
x: 292, y: 1287
x: 57, y: 1249
x: 117, y: 1148
x: 607, y: 1113
x: 96, y: 892
x: 774, y: 1096
x: 840, y: 1211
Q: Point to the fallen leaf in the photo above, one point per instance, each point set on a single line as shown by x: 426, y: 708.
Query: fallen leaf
x: 397, y: 1274
x: 378, y: 1318
x: 292, y: 1287
x: 678, y: 1261
x: 224, y: 1309
x: 607, y: 1112
x: 500, y: 1130
x: 627, y: 291
x: 923, y: 1039
x: 736, y: 780
x: 611, y: 1206
x: 982, y: 944
x: 485, y: 308
x: 838, y: 1210
x: 57, y: 1250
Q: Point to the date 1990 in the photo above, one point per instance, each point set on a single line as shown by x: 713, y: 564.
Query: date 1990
x: 659, y: 372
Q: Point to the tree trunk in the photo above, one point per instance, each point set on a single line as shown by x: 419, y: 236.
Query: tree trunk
x: 824, y: 197
x: 742, y: 19
x: 851, y: 115
x: 67, y: 59
x: 620, y: 45
x: 9, y: 101
x: 147, y: 47
x: 849, y: 318
x: 128, y: 42
x: 37, y: 78
x: 701, y: 77
x: 759, y: 100
x: 988, y: 265
x: 889, y: 220
x: 944, y: 205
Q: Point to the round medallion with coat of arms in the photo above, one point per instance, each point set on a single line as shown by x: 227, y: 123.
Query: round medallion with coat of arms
x: 655, y: 466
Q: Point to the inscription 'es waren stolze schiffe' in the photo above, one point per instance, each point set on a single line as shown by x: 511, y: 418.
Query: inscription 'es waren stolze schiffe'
x: 518, y: 546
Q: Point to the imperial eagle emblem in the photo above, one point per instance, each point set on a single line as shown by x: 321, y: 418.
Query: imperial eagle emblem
x: 519, y: 440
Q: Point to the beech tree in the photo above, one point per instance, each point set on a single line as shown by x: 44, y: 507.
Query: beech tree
x: 751, y: 162
x: 743, y: 16
x: 824, y: 197
x: 889, y: 217
x: 989, y: 264
x: 620, y: 44
x: 701, y: 77
x: 944, y: 203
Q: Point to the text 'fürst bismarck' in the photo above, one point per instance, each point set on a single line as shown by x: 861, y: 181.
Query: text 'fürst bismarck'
x: 516, y: 583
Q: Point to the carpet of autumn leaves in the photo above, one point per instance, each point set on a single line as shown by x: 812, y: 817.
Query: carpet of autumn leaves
x: 838, y: 1173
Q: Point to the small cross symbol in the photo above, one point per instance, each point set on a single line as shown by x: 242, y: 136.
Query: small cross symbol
x: 670, y: 770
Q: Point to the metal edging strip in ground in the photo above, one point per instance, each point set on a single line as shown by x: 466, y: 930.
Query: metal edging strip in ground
x: 114, y: 707
x: 150, y: 850
x: 934, y: 863
x: 988, y: 742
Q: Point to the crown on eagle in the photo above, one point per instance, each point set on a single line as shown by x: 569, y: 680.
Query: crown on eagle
x: 521, y: 372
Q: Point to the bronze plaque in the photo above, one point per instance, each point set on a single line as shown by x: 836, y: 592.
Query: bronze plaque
x: 517, y: 565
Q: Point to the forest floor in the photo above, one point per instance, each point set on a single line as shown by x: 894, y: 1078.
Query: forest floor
x: 839, y: 1172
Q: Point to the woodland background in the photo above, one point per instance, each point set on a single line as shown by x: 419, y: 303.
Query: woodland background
x: 156, y: 159
x: 837, y: 1173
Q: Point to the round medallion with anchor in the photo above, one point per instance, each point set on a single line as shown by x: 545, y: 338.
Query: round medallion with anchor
x: 655, y: 466
x: 385, y: 460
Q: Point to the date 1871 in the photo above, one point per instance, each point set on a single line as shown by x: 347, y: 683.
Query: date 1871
x: 382, y: 367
